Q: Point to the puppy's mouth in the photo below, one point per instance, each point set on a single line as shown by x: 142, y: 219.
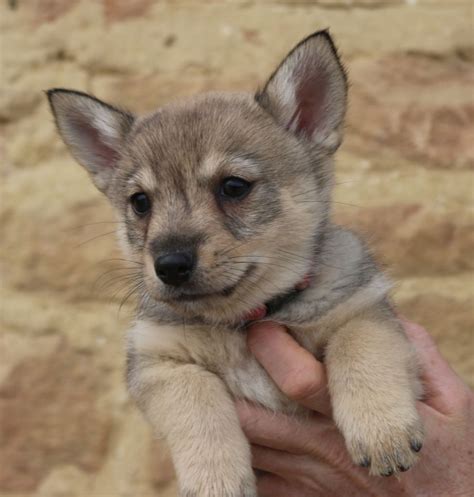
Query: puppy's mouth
x: 188, y: 296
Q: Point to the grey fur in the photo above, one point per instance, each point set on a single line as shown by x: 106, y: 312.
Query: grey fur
x: 187, y: 349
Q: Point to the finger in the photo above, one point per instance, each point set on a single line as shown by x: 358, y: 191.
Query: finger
x: 270, y: 429
x: 296, y: 371
x: 278, y: 462
x: 444, y: 388
x: 269, y: 485
x: 275, y: 485
x: 295, y: 435
x: 315, y: 445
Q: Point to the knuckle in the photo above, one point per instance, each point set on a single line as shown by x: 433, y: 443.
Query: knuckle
x: 414, y: 327
x: 302, y: 383
x: 417, y: 332
x: 462, y: 400
x: 247, y: 416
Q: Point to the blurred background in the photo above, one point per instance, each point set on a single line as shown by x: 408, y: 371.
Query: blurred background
x: 405, y: 179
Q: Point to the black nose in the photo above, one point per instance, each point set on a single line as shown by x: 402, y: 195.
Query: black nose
x: 174, y: 269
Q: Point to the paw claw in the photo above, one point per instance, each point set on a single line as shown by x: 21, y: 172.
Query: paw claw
x: 387, y: 452
x: 416, y: 445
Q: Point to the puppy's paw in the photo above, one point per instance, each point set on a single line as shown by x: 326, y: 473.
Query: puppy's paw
x: 222, y: 488
x: 386, y: 444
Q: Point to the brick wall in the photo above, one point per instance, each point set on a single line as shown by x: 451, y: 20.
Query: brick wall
x: 406, y: 168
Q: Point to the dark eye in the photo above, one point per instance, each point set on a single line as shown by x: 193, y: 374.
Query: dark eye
x: 235, y: 188
x: 140, y: 203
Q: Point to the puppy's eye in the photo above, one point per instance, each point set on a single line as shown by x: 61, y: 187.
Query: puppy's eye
x: 140, y: 203
x: 234, y: 188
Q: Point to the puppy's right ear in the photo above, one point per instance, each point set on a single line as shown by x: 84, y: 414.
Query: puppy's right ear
x: 93, y: 131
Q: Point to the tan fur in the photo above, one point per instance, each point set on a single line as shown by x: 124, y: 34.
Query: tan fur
x: 367, y: 355
x: 187, y: 352
x: 373, y: 385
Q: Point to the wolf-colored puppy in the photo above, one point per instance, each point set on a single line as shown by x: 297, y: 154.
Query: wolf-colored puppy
x: 224, y: 203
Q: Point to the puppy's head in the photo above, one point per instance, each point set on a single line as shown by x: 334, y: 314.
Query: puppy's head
x: 223, y: 197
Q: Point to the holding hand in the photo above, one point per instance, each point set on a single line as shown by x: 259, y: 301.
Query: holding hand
x: 307, y: 457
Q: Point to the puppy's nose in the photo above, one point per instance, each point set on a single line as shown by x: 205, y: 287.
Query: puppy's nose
x: 174, y: 269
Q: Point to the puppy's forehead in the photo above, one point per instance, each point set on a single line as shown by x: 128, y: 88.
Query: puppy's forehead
x: 232, y: 163
x: 199, y: 132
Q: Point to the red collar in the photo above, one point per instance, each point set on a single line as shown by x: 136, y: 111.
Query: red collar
x: 275, y: 304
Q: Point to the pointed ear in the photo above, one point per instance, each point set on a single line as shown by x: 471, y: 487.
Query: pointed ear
x: 307, y: 94
x: 93, y: 131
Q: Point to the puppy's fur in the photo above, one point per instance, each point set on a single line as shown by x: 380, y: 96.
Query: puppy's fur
x: 187, y: 350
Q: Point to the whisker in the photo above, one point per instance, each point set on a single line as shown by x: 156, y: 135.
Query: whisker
x: 250, y: 279
x: 313, y: 190
x: 272, y: 264
x: 114, y: 291
x: 120, y: 277
x: 90, y: 224
x: 133, y: 291
x: 317, y: 262
x: 121, y: 269
x: 232, y: 248
x: 298, y: 256
x: 337, y: 183
x: 121, y: 260
x: 328, y: 202
x: 255, y: 257
x: 265, y: 280
x: 95, y: 238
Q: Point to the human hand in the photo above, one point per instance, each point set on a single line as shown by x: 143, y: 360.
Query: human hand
x: 307, y: 457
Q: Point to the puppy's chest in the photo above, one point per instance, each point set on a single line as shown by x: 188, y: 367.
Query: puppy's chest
x: 225, y: 352
x: 221, y: 351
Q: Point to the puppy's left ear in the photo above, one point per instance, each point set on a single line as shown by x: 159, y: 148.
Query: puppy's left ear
x: 307, y: 94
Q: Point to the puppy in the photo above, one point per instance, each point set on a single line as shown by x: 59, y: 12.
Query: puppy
x: 224, y: 203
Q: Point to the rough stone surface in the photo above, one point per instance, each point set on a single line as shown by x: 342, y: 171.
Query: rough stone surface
x: 404, y: 179
x: 49, y: 416
x: 418, y: 104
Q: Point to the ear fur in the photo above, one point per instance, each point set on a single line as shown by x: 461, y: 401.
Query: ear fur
x: 93, y: 131
x: 307, y: 94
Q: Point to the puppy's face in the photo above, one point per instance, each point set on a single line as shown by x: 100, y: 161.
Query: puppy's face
x: 212, y: 194
x: 224, y: 197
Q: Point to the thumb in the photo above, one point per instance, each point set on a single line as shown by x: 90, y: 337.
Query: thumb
x: 298, y: 374
x: 444, y: 389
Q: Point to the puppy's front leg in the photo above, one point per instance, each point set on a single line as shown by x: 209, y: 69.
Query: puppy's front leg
x: 373, y: 383
x: 194, y: 411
